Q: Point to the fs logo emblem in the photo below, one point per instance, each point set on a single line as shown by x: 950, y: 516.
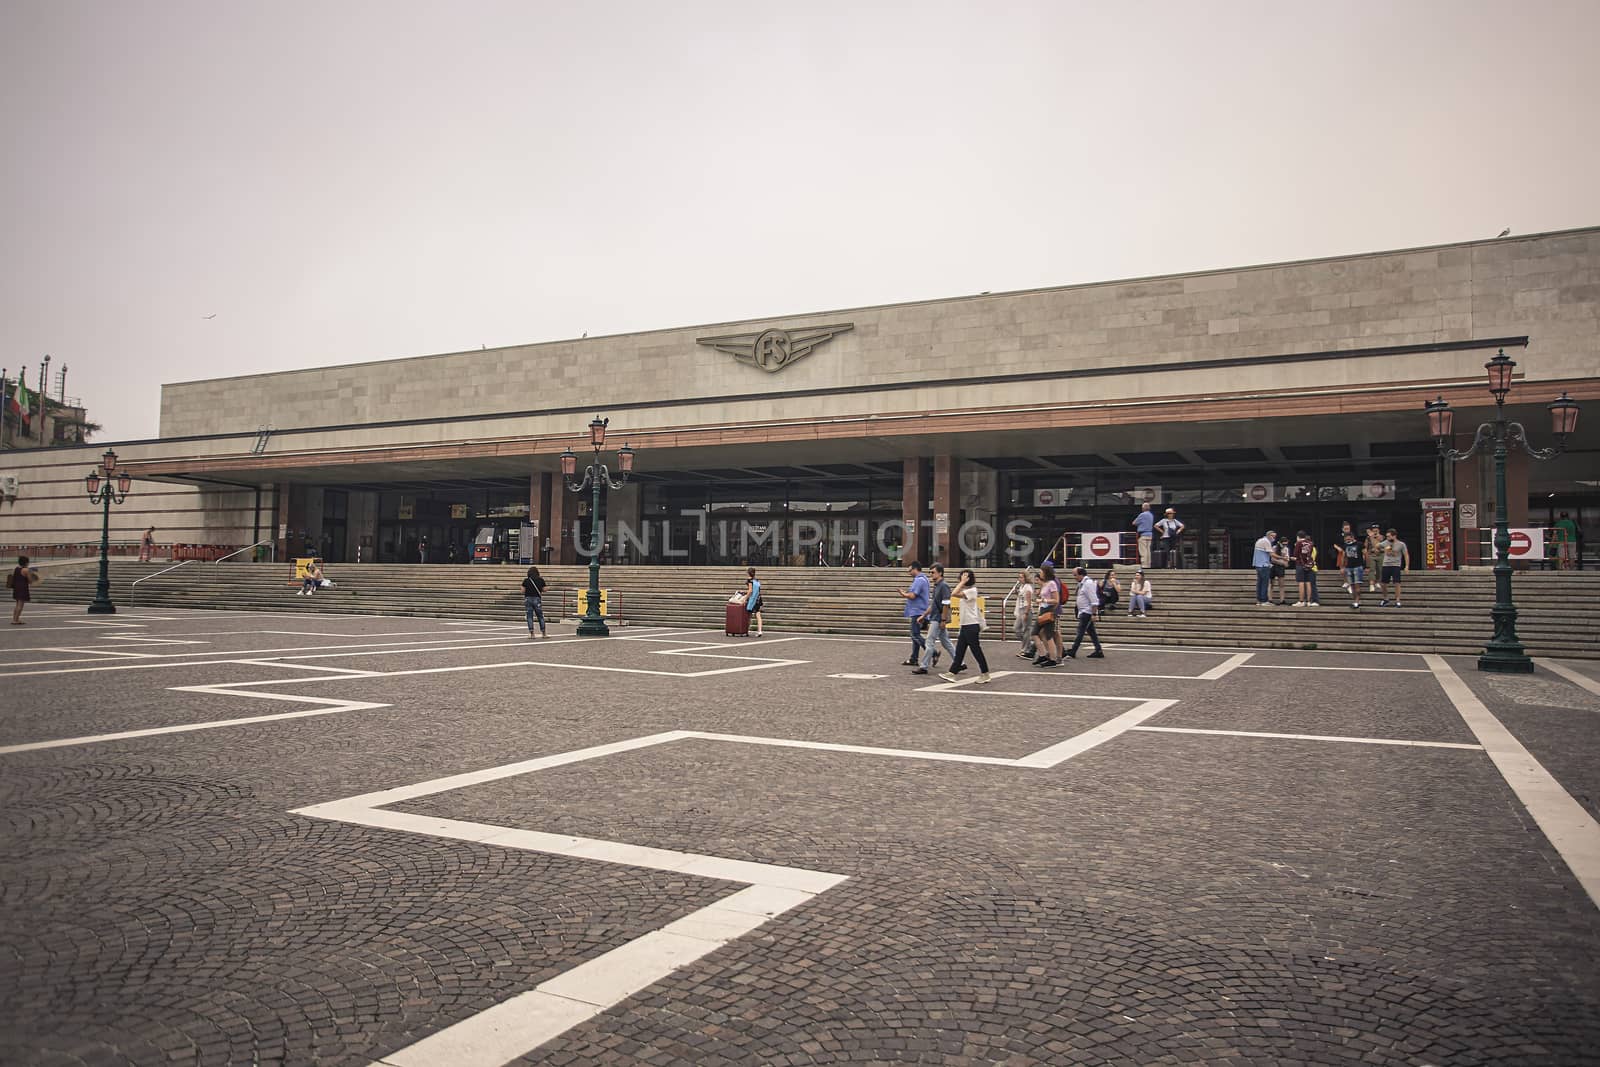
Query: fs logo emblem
x: 773, y: 350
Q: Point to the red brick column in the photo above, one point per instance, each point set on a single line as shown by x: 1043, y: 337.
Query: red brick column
x: 914, y: 505
x: 946, y: 503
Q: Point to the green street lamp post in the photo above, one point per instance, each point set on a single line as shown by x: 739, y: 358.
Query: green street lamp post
x: 1503, y: 653
x: 593, y: 623
x: 106, y: 485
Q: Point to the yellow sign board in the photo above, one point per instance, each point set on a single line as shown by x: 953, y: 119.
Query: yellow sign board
x: 302, y: 566
x: 583, y: 602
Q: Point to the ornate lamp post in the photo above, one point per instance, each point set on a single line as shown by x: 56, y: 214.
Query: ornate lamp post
x: 594, y: 624
x: 1503, y: 653
x: 101, y: 491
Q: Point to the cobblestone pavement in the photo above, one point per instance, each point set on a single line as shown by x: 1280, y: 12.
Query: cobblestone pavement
x: 1165, y: 856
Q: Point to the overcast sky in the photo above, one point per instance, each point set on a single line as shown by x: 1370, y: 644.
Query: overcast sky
x: 339, y: 182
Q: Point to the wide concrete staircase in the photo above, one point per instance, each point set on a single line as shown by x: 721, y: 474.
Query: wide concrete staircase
x: 1444, y: 611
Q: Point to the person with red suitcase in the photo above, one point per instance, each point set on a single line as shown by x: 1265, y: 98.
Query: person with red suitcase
x: 738, y: 617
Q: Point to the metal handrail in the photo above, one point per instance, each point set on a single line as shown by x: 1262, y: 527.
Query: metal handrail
x: 159, y: 573
x: 1005, y: 610
x: 246, y: 548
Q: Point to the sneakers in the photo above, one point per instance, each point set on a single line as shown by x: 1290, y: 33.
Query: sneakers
x: 1384, y: 604
x: 1398, y: 604
x: 1023, y: 655
x: 1345, y: 587
x: 1356, y: 606
x: 1072, y: 653
x: 958, y: 668
x: 1097, y: 654
x: 912, y: 662
x: 947, y: 676
x: 1299, y: 603
x: 1315, y: 604
x: 1262, y: 604
x: 920, y: 670
x: 1050, y: 663
x: 984, y: 679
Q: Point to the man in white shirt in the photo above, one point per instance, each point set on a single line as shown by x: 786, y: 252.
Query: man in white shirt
x: 1088, y: 604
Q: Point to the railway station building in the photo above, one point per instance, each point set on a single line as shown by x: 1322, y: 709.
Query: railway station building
x: 1285, y: 396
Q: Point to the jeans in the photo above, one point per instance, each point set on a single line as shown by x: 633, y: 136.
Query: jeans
x: 1085, y: 626
x: 1138, y: 605
x: 535, y: 606
x: 1315, y: 599
x: 968, y: 638
x: 938, y: 634
x: 1026, y: 628
x: 916, y: 639
x: 1263, y: 584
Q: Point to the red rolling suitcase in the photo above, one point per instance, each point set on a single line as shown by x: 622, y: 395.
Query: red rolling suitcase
x: 738, y: 621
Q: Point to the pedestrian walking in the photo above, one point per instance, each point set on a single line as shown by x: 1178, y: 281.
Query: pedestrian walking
x: 937, y: 616
x: 533, y: 602
x: 1396, y: 557
x: 1170, y: 530
x: 752, y: 597
x: 1088, y: 604
x: 1305, y: 570
x: 1139, y: 595
x: 1374, y: 553
x: 147, y: 545
x: 1027, y: 597
x: 1145, y: 524
x: 971, y: 622
x: 1261, y: 560
x: 21, y: 581
x: 916, y: 597
x: 1049, y: 625
x: 1348, y: 554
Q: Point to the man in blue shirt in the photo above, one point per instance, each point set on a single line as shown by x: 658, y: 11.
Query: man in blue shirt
x: 1262, y: 562
x: 1145, y: 523
x: 916, y: 597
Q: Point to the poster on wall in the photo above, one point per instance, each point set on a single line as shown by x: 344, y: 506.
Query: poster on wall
x: 1527, y: 542
x: 1258, y: 492
x: 1438, y: 533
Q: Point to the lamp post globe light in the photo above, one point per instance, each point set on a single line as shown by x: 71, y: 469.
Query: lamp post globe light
x: 106, y: 484
x: 1503, y: 653
x: 593, y: 623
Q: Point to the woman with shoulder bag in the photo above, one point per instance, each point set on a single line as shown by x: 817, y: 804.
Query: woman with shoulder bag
x: 533, y: 601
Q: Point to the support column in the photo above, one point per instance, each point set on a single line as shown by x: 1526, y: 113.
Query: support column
x: 946, y: 509
x: 539, y: 492
x: 563, y: 509
x: 913, y: 507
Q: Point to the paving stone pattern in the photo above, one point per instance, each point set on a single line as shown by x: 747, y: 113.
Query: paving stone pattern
x: 1162, y: 898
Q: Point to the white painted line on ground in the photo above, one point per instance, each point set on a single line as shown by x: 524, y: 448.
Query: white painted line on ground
x: 1227, y: 667
x: 1312, y: 737
x: 1565, y: 822
x: 348, y: 672
x: 1299, y: 667
x: 1575, y: 677
x: 1098, y: 735
x: 859, y: 677
x: 521, y: 1024
x: 329, y: 707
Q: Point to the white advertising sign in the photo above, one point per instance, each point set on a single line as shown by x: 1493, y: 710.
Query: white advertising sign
x: 1051, y: 498
x: 1258, y: 492
x: 1377, y: 490
x: 1147, y: 494
x: 1105, y: 547
x: 1527, y: 542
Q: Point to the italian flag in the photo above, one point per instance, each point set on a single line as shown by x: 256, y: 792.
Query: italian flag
x: 20, y: 401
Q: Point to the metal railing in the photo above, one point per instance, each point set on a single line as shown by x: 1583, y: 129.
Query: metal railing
x: 167, y: 570
x: 272, y: 553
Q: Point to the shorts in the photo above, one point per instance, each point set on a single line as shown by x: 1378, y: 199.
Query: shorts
x: 1046, y: 630
x: 1277, y: 570
x: 1303, y: 574
x: 1355, y: 575
x: 1390, y: 575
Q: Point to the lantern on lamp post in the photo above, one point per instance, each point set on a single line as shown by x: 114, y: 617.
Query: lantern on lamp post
x: 593, y: 623
x: 106, y: 485
x: 1503, y: 653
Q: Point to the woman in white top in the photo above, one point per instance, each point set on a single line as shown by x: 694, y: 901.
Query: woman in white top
x: 1026, y: 594
x: 965, y: 594
x: 1139, y: 595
